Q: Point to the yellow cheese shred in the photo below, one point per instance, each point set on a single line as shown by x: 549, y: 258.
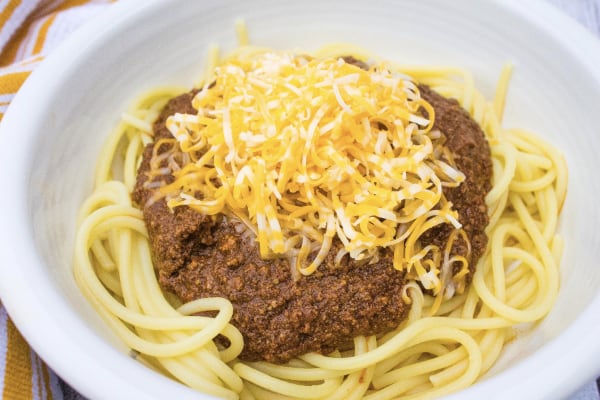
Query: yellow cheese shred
x: 306, y: 150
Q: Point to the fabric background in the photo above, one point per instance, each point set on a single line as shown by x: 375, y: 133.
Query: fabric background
x: 29, y: 30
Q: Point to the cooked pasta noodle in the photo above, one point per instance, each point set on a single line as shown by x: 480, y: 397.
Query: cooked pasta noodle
x: 427, y: 356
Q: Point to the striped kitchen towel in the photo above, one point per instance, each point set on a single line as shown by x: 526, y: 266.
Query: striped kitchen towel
x: 24, y: 375
x: 29, y: 30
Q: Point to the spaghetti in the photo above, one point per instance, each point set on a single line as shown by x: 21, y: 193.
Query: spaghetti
x: 440, y: 348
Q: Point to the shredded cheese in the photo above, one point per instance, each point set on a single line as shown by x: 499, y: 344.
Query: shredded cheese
x: 304, y: 150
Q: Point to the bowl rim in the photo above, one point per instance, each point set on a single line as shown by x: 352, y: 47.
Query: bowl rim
x: 49, y: 336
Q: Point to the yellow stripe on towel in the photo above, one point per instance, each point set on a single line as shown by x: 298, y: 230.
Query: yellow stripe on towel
x: 10, y: 83
x: 18, y: 371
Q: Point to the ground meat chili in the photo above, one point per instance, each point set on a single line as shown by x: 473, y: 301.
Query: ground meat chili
x: 203, y: 256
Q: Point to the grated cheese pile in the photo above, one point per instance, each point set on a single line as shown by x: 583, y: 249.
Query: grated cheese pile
x: 304, y: 150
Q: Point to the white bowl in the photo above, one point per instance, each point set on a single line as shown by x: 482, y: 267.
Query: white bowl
x: 53, y: 131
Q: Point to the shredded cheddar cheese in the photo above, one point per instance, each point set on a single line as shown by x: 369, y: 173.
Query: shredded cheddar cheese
x: 306, y: 151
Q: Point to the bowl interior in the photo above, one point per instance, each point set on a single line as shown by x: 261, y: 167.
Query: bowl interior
x: 95, y: 77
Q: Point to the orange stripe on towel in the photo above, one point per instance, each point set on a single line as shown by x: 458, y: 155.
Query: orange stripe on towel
x: 46, y: 378
x: 8, y: 11
x: 41, y: 38
x: 18, y: 373
x: 10, y: 83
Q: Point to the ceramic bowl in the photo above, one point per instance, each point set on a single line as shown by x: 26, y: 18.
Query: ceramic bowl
x: 53, y: 131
